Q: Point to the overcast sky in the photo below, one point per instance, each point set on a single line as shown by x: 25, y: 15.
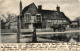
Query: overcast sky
x: 71, y: 8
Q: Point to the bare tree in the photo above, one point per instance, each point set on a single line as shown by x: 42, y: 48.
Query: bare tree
x: 77, y: 19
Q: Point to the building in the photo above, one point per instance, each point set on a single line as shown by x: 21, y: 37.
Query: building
x: 74, y: 24
x: 31, y: 16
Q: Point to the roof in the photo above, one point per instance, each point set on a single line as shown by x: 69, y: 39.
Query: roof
x: 50, y: 14
x: 74, y: 21
x: 26, y: 8
x: 65, y: 17
x: 49, y: 11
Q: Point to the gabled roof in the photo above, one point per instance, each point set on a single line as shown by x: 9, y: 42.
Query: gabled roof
x: 53, y: 12
x: 48, y: 10
x: 26, y: 8
x: 51, y: 15
x: 65, y: 17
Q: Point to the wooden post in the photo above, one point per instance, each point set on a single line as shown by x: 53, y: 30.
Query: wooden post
x: 19, y: 23
x: 34, y: 39
x: 18, y: 32
x: 0, y: 25
x: 78, y: 37
x: 0, y: 30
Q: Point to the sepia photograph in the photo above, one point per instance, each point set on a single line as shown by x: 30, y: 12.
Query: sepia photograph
x: 40, y: 21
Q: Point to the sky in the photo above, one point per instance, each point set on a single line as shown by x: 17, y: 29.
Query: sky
x: 69, y: 7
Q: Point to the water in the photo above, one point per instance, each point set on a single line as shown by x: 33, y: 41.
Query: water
x: 6, y: 38
x: 12, y: 38
x: 63, y: 37
x: 67, y: 37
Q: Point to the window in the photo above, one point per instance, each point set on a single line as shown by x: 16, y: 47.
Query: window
x: 64, y: 20
x: 27, y: 18
x: 38, y: 17
x: 55, y: 21
x: 48, y: 24
x: 26, y: 26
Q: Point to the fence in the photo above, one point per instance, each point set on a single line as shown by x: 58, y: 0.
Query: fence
x: 38, y: 30
x: 8, y: 31
x: 73, y: 28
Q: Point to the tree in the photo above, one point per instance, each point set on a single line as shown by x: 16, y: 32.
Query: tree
x: 2, y: 24
x: 77, y: 19
x: 10, y: 17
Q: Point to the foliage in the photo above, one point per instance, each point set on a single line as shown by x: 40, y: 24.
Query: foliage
x: 2, y: 24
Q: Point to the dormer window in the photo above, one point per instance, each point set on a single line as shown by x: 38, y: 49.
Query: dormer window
x: 27, y: 18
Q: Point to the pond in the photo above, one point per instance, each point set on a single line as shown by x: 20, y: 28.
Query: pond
x: 12, y: 38
x: 62, y: 37
x: 8, y: 38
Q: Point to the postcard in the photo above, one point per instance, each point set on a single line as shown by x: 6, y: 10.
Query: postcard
x: 36, y: 25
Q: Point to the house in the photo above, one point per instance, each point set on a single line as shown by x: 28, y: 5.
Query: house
x: 31, y: 16
x: 52, y: 17
x: 74, y: 24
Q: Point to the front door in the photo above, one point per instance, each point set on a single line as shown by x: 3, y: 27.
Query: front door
x: 37, y: 25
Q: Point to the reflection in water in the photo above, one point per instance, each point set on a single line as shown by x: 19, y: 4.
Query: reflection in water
x: 6, y: 38
x: 66, y: 37
x: 12, y: 38
x: 63, y: 37
x: 72, y: 40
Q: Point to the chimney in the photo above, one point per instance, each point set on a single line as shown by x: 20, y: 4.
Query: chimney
x: 58, y: 8
x: 20, y: 6
x: 40, y: 7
